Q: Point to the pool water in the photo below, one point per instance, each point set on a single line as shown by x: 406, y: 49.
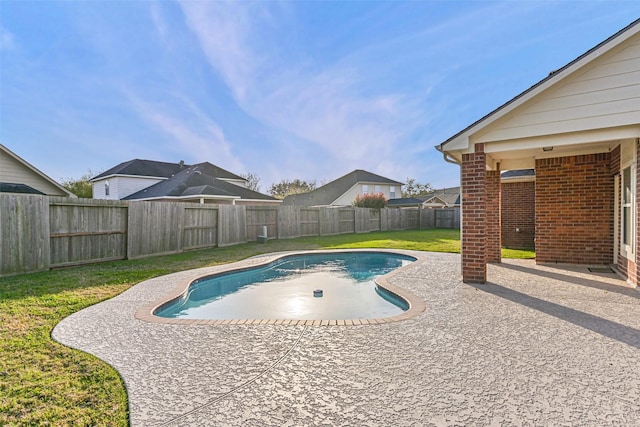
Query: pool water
x: 284, y: 289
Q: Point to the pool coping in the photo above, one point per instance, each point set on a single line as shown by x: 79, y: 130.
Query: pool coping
x: 416, y: 304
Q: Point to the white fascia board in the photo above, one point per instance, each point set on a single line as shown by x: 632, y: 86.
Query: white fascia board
x: 118, y: 175
x: 184, y: 198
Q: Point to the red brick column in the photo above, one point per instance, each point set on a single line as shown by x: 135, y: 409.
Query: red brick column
x: 474, y: 265
x: 493, y: 235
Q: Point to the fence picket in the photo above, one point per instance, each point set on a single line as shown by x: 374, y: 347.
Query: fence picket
x: 40, y: 232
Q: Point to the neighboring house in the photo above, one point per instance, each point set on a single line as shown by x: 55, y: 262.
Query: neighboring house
x: 19, y: 176
x: 445, y: 198
x: 579, y: 129
x: 343, y: 191
x: 150, y: 180
x: 404, y: 202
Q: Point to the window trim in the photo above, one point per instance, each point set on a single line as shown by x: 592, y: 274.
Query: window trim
x: 628, y: 209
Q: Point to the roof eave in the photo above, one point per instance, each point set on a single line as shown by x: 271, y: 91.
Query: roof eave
x: 37, y: 171
x: 121, y: 175
x: 204, y: 196
x: 461, y: 140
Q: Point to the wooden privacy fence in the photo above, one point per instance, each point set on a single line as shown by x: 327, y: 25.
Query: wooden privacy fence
x: 40, y: 232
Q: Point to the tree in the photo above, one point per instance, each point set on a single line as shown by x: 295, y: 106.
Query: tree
x: 253, y: 182
x: 377, y: 201
x: 81, y: 187
x: 285, y: 188
x: 413, y: 188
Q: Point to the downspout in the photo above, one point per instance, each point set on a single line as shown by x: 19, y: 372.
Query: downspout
x: 452, y: 160
x: 446, y: 156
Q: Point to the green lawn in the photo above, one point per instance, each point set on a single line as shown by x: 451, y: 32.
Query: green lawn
x: 45, y: 383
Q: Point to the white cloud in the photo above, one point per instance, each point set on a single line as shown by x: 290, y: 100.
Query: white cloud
x: 223, y: 29
x: 336, y: 107
x: 201, y: 140
x: 7, y: 40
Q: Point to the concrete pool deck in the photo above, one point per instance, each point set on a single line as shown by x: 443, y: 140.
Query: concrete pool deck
x: 538, y: 345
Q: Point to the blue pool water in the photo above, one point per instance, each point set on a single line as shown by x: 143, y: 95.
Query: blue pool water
x: 284, y: 289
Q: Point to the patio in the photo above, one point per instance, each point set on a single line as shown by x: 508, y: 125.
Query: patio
x: 536, y: 345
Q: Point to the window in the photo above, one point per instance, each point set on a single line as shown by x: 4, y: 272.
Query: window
x: 628, y: 211
x: 365, y: 189
x: 627, y: 208
x: 378, y: 189
x: 392, y: 192
x: 106, y: 188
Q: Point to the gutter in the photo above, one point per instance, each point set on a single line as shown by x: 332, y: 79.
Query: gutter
x: 446, y: 156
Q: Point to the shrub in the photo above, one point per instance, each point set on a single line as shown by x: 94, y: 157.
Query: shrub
x: 377, y: 201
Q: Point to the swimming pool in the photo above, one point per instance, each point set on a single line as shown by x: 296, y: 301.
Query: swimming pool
x: 285, y: 289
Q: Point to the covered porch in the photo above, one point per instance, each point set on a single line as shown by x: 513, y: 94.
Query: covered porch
x: 584, y: 203
x: 579, y: 129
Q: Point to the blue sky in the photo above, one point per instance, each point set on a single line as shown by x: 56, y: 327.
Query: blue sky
x: 281, y: 89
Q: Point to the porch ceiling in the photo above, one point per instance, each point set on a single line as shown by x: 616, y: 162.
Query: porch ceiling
x: 525, y: 157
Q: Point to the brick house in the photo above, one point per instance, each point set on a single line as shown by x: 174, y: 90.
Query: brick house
x: 579, y: 129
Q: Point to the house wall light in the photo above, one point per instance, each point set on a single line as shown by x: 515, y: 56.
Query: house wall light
x: 547, y: 148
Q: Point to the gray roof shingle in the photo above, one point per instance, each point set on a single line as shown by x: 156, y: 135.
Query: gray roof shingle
x: 518, y: 173
x: 153, y: 168
x: 197, y: 180
x: 451, y: 196
x: 330, y: 192
x: 9, y: 187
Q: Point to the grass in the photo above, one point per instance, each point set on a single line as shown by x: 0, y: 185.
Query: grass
x: 45, y: 383
x: 518, y: 253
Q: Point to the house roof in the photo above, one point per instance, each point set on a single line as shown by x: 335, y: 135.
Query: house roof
x: 36, y: 171
x: 521, y: 173
x: 152, y: 168
x: 197, y: 181
x: 330, y: 192
x: 8, y: 187
x: 449, y: 196
x: 404, y: 201
x: 142, y: 168
x: 550, y: 79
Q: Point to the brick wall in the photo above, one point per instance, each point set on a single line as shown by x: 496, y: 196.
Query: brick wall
x: 574, y: 209
x: 518, y: 212
x: 493, y: 215
x: 474, y: 267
